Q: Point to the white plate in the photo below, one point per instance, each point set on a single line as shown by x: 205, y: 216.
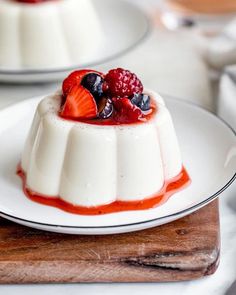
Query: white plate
x: 208, y: 146
x: 125, y: 26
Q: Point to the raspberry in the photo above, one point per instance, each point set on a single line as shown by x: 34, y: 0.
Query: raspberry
x: 126, y: 112
x: 121, y: 83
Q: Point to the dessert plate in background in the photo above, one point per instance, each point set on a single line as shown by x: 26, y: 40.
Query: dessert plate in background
x: 125, y: 26
x: 208, y: 147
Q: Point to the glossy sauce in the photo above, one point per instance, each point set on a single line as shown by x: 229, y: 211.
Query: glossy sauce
x: 169, y: 188
x: 114, y: 120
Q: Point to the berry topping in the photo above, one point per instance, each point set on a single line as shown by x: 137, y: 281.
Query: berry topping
x: 121, y: 83
x: 93, y: 82
x: 105, y: 108
x: 143, y: 101
x: 79, y: 104
x: 75, y: 78
x: 115, y: 98
x: 126, y: 112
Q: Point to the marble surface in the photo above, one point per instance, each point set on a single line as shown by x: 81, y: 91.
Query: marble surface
x: 170, y: 64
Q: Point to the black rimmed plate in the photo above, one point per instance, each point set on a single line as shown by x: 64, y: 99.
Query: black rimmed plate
x: 208, y: 147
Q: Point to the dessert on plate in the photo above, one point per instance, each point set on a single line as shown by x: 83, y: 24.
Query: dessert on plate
x: 102, y: 144
x: 48, y: 33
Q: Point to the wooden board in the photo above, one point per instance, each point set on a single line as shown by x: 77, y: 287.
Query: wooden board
x: 182, y: 250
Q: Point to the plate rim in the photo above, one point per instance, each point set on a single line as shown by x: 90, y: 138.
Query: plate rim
x: 145, y: 34
x: 169, y: 216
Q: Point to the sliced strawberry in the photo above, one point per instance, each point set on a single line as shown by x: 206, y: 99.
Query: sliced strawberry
x: 79, y: 104
x: 75, y: 78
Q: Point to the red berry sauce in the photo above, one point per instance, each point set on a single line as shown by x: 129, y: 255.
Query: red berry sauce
x: 118, y: 118
x: 169, y: 188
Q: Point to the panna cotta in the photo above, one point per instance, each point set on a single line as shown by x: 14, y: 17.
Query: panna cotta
x: 101, y: 145
x: 48, y: 33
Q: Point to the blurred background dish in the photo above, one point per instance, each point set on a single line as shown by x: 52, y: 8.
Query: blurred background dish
x: 209, y: 15
x: 116, y: 27
x: 39, y: 34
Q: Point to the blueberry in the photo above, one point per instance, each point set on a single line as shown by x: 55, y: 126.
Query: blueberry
x: 105, y: 108
x: 142, y: 101
x: 93, y: 82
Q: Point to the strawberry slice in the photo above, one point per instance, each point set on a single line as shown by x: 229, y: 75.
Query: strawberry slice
x: 79, y: 104
x: 75, y: 78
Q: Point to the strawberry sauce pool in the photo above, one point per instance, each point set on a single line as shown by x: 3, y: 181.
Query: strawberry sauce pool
x: 169, y: 188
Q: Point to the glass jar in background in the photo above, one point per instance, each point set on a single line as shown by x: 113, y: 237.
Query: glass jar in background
x: 209, y: 15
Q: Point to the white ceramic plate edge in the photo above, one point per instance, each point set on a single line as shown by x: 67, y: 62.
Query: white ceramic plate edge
x: 127, y: 227
x: 53, y: 74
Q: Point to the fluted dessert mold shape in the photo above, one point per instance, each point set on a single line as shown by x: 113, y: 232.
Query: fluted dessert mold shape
x: 92, y: 165
x: 50, y: 34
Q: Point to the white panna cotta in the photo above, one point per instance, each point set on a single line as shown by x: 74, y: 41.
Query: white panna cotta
x: 92, y: 165
x: 50, y: 34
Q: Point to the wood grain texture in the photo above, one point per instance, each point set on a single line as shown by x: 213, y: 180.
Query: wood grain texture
x: 182, y: 250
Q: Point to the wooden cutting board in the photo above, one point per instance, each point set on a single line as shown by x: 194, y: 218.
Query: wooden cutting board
x: 182, y: 250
